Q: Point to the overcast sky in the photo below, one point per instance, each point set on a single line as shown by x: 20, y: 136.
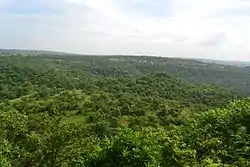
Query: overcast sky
x: 216, y: 29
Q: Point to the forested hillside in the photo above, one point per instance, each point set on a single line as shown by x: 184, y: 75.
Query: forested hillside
x: 90, y: 111
x: 232, y: 77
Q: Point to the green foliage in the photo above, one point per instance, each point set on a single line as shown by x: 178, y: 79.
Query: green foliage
x: 120, y: 111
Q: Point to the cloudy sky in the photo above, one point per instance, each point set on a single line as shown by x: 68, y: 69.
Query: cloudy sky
x: 217, y: 29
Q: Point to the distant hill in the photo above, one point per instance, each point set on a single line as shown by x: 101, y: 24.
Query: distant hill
x: 231, y: 75
x: 29, y: 52
x: 192, y: 71
x: 232, y: 63
x: 42, y: 52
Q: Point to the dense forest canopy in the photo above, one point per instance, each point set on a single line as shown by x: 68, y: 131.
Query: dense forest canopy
x: 90, y: 111
x: 232, y: 77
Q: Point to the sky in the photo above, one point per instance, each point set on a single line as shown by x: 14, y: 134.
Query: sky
x: 214, y: 29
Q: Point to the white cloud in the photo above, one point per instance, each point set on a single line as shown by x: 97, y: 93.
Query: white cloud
x: 192, y: 28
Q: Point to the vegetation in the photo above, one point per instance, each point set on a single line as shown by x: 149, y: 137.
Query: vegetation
x: 59, y: 110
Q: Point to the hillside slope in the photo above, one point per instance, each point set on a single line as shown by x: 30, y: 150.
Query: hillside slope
x: 232, y: 77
